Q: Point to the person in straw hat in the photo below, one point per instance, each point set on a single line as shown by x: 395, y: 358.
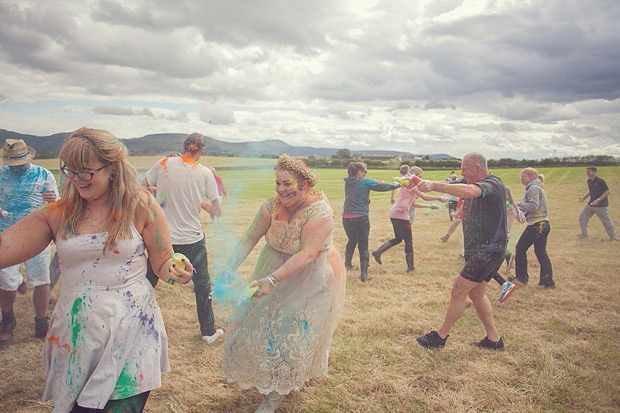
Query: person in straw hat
x: 23, y: 188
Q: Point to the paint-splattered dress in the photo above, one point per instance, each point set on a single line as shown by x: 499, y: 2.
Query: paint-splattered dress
x: 282, y: 340
x: 106, y: 338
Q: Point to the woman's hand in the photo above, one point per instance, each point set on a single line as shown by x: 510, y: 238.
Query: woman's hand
x: 185, y: 275
x: 264, y: 286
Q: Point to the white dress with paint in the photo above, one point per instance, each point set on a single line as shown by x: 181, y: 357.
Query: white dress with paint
x: 106, y: 338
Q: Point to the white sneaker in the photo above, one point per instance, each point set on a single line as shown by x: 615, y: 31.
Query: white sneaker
x: 215, y: 336
x: 270, y: 402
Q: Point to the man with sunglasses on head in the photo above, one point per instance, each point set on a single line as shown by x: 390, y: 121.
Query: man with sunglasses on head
x: 24, y: 187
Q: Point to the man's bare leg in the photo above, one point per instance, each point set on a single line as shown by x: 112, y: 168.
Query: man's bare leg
x: 484, y: 309
x: 458, y: 297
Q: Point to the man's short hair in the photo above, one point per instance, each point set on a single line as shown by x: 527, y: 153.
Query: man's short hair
x: 591, y: 168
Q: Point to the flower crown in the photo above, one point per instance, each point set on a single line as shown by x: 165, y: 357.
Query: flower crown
x: 297, y: 165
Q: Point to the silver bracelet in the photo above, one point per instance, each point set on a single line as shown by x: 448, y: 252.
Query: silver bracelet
x: 271, y: 280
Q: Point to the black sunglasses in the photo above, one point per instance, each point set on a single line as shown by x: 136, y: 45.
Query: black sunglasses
x: 82, y: 175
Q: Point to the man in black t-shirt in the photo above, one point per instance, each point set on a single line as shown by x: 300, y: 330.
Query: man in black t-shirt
x: 484, y: 232
x: 598, y: 192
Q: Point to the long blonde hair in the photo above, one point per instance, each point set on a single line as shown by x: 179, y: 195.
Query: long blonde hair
x: 125, y: 197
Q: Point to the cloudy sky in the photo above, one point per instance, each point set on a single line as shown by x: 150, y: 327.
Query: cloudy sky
x: 514, y: 78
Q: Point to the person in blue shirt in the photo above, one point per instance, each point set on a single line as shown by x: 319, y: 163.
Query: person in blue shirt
x: 355, y: 213
x: 23, y: 188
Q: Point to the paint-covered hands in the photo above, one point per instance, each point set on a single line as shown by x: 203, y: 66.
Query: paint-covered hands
x: 49, y: 196
x: 183, y: 275
x: 426, y: 186
x: 264, y: 285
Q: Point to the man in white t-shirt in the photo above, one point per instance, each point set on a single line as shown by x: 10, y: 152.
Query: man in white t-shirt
x: 181, y: 184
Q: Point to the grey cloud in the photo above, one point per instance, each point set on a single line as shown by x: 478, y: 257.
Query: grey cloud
x: 567, y: 140
x: 141, y: 112
x: 438, y: 105
x: 177, y: 117
x: 113, y: 110
x: 217, y: 114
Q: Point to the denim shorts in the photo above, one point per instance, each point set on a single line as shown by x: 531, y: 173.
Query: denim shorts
x: 481, y: 266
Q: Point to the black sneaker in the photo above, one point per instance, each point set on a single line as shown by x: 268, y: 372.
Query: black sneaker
x: 40, y: 326
x: 432, y: 340
x: 490, y: 345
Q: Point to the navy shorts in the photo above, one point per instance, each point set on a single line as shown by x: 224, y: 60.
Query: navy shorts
x: 481, y: 266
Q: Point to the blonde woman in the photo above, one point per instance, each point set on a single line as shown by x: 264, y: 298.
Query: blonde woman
x: 106, y: 345
x: 534, y: 206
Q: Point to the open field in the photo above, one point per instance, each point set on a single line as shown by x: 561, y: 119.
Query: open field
x: 145, y: 162
x: 562, y: 346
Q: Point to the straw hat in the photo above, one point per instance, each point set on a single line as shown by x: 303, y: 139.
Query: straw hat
x: 15, y: 152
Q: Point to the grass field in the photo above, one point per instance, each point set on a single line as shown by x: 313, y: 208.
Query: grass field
x: 562, y: 346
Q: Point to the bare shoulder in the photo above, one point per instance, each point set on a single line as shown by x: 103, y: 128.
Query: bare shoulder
x: 51, y: 213
x: 145, y: 210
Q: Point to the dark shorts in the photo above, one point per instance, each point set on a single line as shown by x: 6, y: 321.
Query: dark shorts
x: 481, y: 266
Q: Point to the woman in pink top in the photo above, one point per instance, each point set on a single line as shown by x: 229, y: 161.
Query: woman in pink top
x: 401, y: 220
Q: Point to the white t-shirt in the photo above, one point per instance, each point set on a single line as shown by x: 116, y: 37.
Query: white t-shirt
x: 182, y: 184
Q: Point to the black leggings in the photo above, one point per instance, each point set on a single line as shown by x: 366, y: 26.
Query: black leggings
x: 133, y: 404
x: 402, y: 232
x: 534, y: 234
x: 357, y: 230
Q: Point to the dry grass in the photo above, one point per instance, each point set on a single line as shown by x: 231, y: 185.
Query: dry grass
x: 562, y: 346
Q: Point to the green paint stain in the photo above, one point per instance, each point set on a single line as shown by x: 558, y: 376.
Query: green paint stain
x: 158, y: 240
x: 77, y: 323
x: 126, y: 384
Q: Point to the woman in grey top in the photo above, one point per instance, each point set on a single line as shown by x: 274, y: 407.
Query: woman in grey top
x: 534, y: 205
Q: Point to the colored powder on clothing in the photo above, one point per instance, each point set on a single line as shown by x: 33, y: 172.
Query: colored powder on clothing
x: 77, y: 324
x: 163, y: 163
x: 126, y: 385
x: 188, y: 159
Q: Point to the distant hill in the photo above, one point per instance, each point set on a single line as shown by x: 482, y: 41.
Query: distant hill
x: 164, y: 143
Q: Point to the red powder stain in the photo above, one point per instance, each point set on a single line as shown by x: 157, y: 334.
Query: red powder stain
x: 56, y: 340
x: 188, y: 159
x: 23, y: 247
x: 51, y: 206
x: 53, y: 339
x: 115, y: 251
x: 141, y: 377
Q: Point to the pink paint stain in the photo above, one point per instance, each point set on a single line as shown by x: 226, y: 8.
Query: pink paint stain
x: 116, y: 252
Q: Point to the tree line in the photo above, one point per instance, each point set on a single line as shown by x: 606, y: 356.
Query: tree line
x: 339, y: 162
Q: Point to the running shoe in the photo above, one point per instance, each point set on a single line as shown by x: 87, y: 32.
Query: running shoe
x: 432, y: 340
x: 490, y: 345
x: 507, y: 290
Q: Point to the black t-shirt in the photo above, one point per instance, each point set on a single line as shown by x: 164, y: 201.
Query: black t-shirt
x: 597, y: 187
x: 484, y: 218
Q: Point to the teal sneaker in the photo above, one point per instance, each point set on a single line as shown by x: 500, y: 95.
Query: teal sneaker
x: 507, y: 290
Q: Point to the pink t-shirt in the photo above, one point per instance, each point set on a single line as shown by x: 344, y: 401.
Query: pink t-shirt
x: 406, y: 198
